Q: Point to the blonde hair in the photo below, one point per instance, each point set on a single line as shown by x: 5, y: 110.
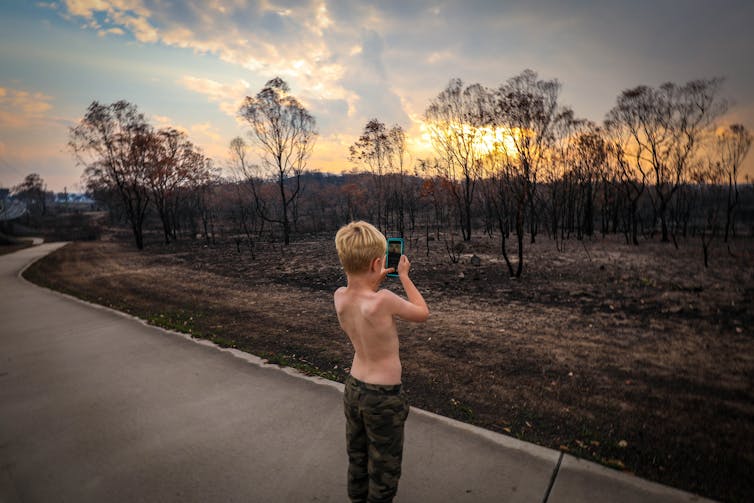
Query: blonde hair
x: 358, y: 243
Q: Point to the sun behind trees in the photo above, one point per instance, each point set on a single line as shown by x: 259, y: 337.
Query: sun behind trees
x: 665, y: 130
x: 655, y: 146
x: 507, y: 162
x: 524, y: 115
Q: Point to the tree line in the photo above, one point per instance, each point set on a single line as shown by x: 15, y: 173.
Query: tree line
x: 131, y: 167
x: 509, y: 161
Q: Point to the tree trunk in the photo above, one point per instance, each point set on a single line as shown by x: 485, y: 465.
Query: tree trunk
x: 138, y: 235
x: 503, y: 224
x: 589, y: 211
x: 633, y: 221
x: 520, y: 236
x: 165, y: 218
x: 467, y: 196
x: 286, y: 223
x: 664, y: 221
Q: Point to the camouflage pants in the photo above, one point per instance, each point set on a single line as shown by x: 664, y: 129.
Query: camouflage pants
x: 375, y: 416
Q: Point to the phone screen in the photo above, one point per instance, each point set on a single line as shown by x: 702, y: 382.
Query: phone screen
x: 394, y: 252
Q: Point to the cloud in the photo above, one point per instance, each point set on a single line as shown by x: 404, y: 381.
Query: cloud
x: 163, y: 122
x: 207, y: 130
x: 328, y: 154
x: 351, y: 61
x: 20, y: 108
x: 228, y: 96
x: 305, y: 43
x: 33, y: 138
x: 111, y: 31
x: 439, y: 56
x: 275, y: 40
x: 204, y: 135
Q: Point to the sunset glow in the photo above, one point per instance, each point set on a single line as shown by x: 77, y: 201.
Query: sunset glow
x: 190, y: 64
x: 497, y: 139
x: 484, y: 140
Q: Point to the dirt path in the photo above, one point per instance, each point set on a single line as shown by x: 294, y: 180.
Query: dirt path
x: 637, y: 358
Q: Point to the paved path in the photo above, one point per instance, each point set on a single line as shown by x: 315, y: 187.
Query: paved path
x: 97, y: 406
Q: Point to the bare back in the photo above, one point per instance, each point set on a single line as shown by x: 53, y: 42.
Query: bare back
x: 366, y: 319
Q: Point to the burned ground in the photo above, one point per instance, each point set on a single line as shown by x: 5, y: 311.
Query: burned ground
x: 636, y: 357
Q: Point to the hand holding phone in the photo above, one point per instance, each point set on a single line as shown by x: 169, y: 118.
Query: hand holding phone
x: 403, y: 265
x: 393, y: 253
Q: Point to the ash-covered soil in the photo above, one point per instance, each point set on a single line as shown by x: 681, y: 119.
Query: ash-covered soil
x: 636, y: 357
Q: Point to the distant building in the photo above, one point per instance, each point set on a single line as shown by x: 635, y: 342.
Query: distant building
x: 65, y: 197
x: 72, y: 201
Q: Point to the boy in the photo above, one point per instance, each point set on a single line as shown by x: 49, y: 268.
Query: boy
x: 375, y: 406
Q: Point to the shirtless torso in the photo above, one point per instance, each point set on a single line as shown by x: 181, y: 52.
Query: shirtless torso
x: 366, y: 315
x: 371, y: 328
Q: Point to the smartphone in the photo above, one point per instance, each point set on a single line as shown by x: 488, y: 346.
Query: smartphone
x: 393, y: 254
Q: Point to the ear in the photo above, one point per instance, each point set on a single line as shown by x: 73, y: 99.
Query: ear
x: 377, y: 264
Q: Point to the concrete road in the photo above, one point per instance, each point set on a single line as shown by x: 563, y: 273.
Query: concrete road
x: 96, y: 406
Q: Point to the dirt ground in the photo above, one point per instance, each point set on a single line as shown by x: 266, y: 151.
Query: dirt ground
x: 636, y: 357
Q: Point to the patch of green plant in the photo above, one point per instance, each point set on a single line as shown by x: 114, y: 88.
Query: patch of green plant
x: 179, y: 321
x: 647, y: 282
x: 223, y: 342
x: 463, y: 409
x: 301, y: 365
x: 184, y: 322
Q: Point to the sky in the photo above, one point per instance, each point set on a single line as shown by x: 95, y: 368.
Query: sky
x: 189, y: 64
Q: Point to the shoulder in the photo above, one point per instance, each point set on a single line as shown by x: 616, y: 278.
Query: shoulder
x: 339, y: 294
x: 386, y: 297
x: 396, y: 305
x: 385, y: 294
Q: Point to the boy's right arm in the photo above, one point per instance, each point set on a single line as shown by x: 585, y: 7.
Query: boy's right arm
x: 413, y: 309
